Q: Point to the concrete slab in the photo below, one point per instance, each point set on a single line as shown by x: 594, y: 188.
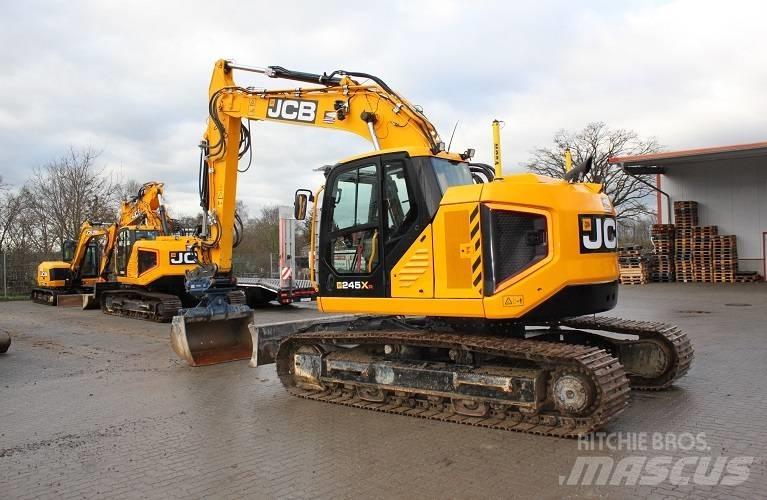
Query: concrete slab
x: 94, y: 405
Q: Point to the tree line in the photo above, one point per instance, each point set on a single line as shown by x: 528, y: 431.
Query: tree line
x: 49, y: 208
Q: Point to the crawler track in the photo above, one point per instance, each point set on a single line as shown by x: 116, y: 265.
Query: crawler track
x: 603, y: 371
x: 140, y: 304
x: 670, y: 338
x: 47, y: 297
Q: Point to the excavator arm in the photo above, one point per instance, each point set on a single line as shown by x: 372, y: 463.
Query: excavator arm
x: 216, y: 330
x: 144, y: 209
x: 372, y: 110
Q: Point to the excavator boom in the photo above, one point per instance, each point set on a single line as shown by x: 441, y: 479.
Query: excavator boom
x: 373, y: 111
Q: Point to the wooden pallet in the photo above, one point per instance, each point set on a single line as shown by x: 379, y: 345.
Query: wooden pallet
x: 633, y: 281
x: 747, y: 277
x: 662, y: 229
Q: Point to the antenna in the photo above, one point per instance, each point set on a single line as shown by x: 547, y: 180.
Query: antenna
x: 452, y: 135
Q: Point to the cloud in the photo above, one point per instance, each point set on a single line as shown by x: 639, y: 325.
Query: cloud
x: 130, y: 79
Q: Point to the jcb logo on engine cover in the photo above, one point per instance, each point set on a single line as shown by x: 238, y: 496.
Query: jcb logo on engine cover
x: 297, y: 110
x: 353, y: 285
x: 598, y: 233
x: 181, y: 258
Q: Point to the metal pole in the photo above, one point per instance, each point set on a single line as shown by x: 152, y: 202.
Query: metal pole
x: 497, y: 164
x: 5, y: 276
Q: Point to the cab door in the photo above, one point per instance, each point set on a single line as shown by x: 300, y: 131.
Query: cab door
x: 122, y: 250
x: 351, y: 263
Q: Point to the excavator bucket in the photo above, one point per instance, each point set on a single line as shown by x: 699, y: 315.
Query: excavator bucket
x: 208, y: 335
x: 5, y: 342
x: 69, y: 300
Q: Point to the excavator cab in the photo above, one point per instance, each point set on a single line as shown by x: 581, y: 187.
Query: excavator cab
x: 375, y: 210
x: 68, y: 250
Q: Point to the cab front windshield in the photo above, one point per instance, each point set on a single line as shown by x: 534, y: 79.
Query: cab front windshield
x: 451, y: 173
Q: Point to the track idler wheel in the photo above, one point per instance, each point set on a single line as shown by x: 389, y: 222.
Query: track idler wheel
x: 645, y: 359
x: 572, y: 393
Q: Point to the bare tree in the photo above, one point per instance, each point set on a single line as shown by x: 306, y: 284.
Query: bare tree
x: 64, y: 193
x: 628, y: 195
x: 10, y: 207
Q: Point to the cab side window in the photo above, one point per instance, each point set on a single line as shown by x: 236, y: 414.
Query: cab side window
x: 399, y: 204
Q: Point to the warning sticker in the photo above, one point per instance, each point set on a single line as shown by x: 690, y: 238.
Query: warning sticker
x: 513, y: 300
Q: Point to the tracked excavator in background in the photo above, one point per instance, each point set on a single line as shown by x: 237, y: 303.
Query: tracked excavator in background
x: 465, y: 295
x: 152, y: 253
x: 82, y: 264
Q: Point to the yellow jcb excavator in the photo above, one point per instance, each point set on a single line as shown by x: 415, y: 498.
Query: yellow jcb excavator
x: 152, y: 254
x: 482, y: 286
x: 82, y: 264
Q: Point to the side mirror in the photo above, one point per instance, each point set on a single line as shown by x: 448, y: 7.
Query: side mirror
x: 301, y: 202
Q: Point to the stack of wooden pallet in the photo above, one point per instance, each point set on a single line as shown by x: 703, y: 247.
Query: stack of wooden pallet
x: 724, y: 254
x: 662, y: 236
x: 686, y: 213
x: 633, y: 268
x: 686, y: 218
x: 702, y: 260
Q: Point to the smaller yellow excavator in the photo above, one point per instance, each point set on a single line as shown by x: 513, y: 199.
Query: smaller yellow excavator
x: 83, y: 262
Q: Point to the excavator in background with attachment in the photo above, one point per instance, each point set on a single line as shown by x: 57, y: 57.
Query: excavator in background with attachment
x: 462, y: 294
x: 152, y: 254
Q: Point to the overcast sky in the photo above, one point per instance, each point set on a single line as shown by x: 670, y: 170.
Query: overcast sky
x: 130, y: 78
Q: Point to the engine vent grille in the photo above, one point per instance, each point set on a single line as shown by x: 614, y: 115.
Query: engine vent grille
x: 512, y: 241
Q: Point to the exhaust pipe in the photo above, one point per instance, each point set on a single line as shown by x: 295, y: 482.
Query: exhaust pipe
x: 212, y: 334
x: 5, y: 342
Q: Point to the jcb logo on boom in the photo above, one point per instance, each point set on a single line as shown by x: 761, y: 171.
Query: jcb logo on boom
x: 598, y: 233
x: 353, y: 285
x: 297, y: 110
x: 181, y: 258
